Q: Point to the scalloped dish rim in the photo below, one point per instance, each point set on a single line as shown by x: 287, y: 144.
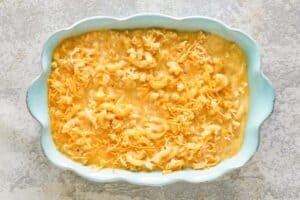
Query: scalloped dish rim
x: 262, y: 98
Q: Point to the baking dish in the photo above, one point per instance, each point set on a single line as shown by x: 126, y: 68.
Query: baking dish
x: 261, y: 98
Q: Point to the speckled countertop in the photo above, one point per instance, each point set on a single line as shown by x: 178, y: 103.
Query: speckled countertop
x: 273, y: 173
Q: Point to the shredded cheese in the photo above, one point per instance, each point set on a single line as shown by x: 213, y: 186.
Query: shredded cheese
x: 149, y: 99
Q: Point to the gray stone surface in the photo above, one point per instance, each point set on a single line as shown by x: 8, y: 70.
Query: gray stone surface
x: 273, y: 173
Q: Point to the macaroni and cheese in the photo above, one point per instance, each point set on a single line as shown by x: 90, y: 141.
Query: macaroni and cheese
x: 148, y: 99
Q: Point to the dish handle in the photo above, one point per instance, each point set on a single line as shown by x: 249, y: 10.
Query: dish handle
x: 36, y: 95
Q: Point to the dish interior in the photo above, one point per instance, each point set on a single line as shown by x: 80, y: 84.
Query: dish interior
x: 148, y: 99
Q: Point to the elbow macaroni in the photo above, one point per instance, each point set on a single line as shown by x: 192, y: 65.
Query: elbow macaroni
x: 148, y: 99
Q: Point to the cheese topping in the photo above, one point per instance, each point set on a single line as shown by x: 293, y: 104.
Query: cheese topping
x: 148, y: 99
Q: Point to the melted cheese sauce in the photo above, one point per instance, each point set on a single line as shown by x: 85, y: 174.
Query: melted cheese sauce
x: 149, y: 99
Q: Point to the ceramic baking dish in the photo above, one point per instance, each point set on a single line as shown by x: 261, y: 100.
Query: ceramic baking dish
x: 261, y: 98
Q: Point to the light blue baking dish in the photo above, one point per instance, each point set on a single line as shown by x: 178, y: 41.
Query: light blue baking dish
x: 261, y: 98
